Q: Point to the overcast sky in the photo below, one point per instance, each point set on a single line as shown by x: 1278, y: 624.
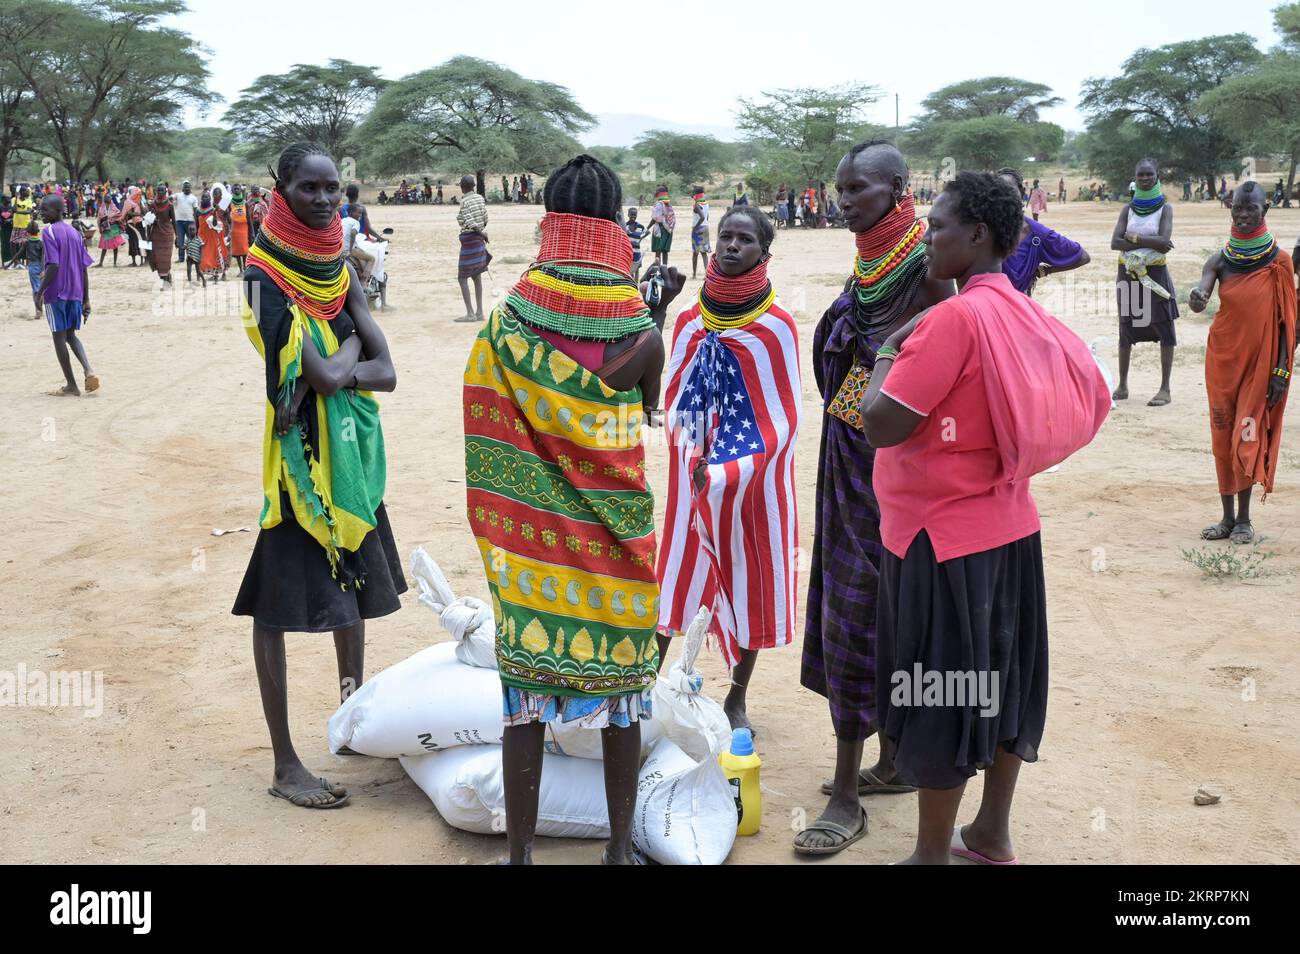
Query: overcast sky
x: 689, y: 61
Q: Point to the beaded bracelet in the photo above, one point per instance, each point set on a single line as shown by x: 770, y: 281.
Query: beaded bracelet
x: 886, y: 351
x: 1281, y: 373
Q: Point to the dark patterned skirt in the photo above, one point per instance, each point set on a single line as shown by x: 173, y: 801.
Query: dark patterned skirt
x: 1144, y: 315
x: 961, y: 658
x: 288, y: 584
x: 474, y: 255
x: 839, y: 644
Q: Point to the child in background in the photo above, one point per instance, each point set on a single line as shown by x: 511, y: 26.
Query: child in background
x: 194, y: 260
x: 33, y: 253
x: 636, y: 234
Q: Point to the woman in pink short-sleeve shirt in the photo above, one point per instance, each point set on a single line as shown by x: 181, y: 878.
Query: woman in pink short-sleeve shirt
x: 962, y: 617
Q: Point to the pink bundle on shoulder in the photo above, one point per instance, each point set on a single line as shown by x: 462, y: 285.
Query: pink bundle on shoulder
x: 1046, y: 395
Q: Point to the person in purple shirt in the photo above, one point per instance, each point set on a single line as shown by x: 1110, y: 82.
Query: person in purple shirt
x: 66, y: 292
x: 1041, y: 251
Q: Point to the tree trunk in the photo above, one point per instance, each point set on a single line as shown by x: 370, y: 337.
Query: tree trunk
x: 1211, y: 188
x: 1290, y: 181
x: 481, y: 176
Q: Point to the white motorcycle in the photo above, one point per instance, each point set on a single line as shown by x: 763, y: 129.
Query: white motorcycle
x: 377, y: 285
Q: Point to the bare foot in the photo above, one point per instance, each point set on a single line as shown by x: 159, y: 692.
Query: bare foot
x: 1120, y: 393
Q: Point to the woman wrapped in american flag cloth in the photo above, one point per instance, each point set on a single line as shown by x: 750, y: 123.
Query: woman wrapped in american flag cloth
x: 732, y: 415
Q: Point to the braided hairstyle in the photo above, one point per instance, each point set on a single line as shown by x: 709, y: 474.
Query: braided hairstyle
x: 292, y: 158
x: 986, y: 198
x: 762, y: 223
x: 584, y: 186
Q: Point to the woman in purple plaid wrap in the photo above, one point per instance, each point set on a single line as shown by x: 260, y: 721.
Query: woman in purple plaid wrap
x: 840, y: 634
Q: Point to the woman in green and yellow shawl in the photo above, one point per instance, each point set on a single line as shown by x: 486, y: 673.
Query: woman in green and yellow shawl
x: 325, y: 559
x: 555, y: 390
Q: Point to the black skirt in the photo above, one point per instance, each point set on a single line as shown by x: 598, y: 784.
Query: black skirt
x: 288, y: 584
x: 1144, y: 315
x: 979, y: 624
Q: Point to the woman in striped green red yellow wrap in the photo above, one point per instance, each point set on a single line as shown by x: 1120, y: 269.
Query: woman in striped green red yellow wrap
x: 325, y: 559
x: 555, y: 390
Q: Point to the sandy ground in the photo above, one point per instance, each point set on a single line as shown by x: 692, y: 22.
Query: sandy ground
x: 1161, y: 680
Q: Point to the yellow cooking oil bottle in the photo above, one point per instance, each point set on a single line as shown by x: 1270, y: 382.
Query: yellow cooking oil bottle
x: 740, y: 765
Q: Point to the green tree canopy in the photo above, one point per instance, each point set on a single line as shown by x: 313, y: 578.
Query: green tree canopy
x: 803, y: 133
x: 479, y: 114
x: 1286, y: 19
x: 990, y: 96
x: 691, y: 157
x: 985, y: 123
x: 321, y: 104
x: 102, y: 74
x: 1158, y: 90
x: 1262, y: 109
x: 1111, y: 148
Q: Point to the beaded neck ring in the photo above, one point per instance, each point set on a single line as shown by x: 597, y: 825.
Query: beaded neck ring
x: 1147, y: 201
x: 1246, y: 250
x: 733, y: 301
x: 889, y: 268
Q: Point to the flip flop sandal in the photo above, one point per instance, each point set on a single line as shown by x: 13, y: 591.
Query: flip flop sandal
x: 870, y: 784
x: 466, y: 319
x: 835, y: 829
x: 637, y: 858
x: 300, y: 798
x: 959, y: 849
x: 1216, y: 532
x: 92, y: 383
x: 1242, y: 533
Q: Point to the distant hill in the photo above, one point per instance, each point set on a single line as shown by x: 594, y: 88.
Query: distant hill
x: 624, y: 129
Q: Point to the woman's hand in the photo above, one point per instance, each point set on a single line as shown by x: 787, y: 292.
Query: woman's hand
x: 1276, y: 388
x: 1198, y: 299
x: 1160, y: 243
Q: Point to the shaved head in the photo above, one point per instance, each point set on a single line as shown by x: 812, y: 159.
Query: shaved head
x: 880, y: 157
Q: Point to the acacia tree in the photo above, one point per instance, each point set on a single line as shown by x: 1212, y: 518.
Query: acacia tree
x: 686, y: 155
x: 987, y: 122
x: 322, y: 104
x: 1159, y: 92
x: 1260, y: 108
x: 102, y: 74
x: 803, y: 133
x: 15, y: 108
x: 476, y: 112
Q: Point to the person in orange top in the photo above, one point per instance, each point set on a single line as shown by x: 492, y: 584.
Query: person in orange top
x: 1248, y: 359
x: 238, y: 214
x: 212, y: 231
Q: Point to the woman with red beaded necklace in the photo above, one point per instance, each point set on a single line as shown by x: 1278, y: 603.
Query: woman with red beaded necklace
x: 890, y: 285
x: 322, y: 562
x: 732, y: 411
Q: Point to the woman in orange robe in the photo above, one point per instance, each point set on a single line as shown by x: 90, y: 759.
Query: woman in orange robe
x: 212, y: 230
x: 1248, y: 359
x: 238, y: 216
